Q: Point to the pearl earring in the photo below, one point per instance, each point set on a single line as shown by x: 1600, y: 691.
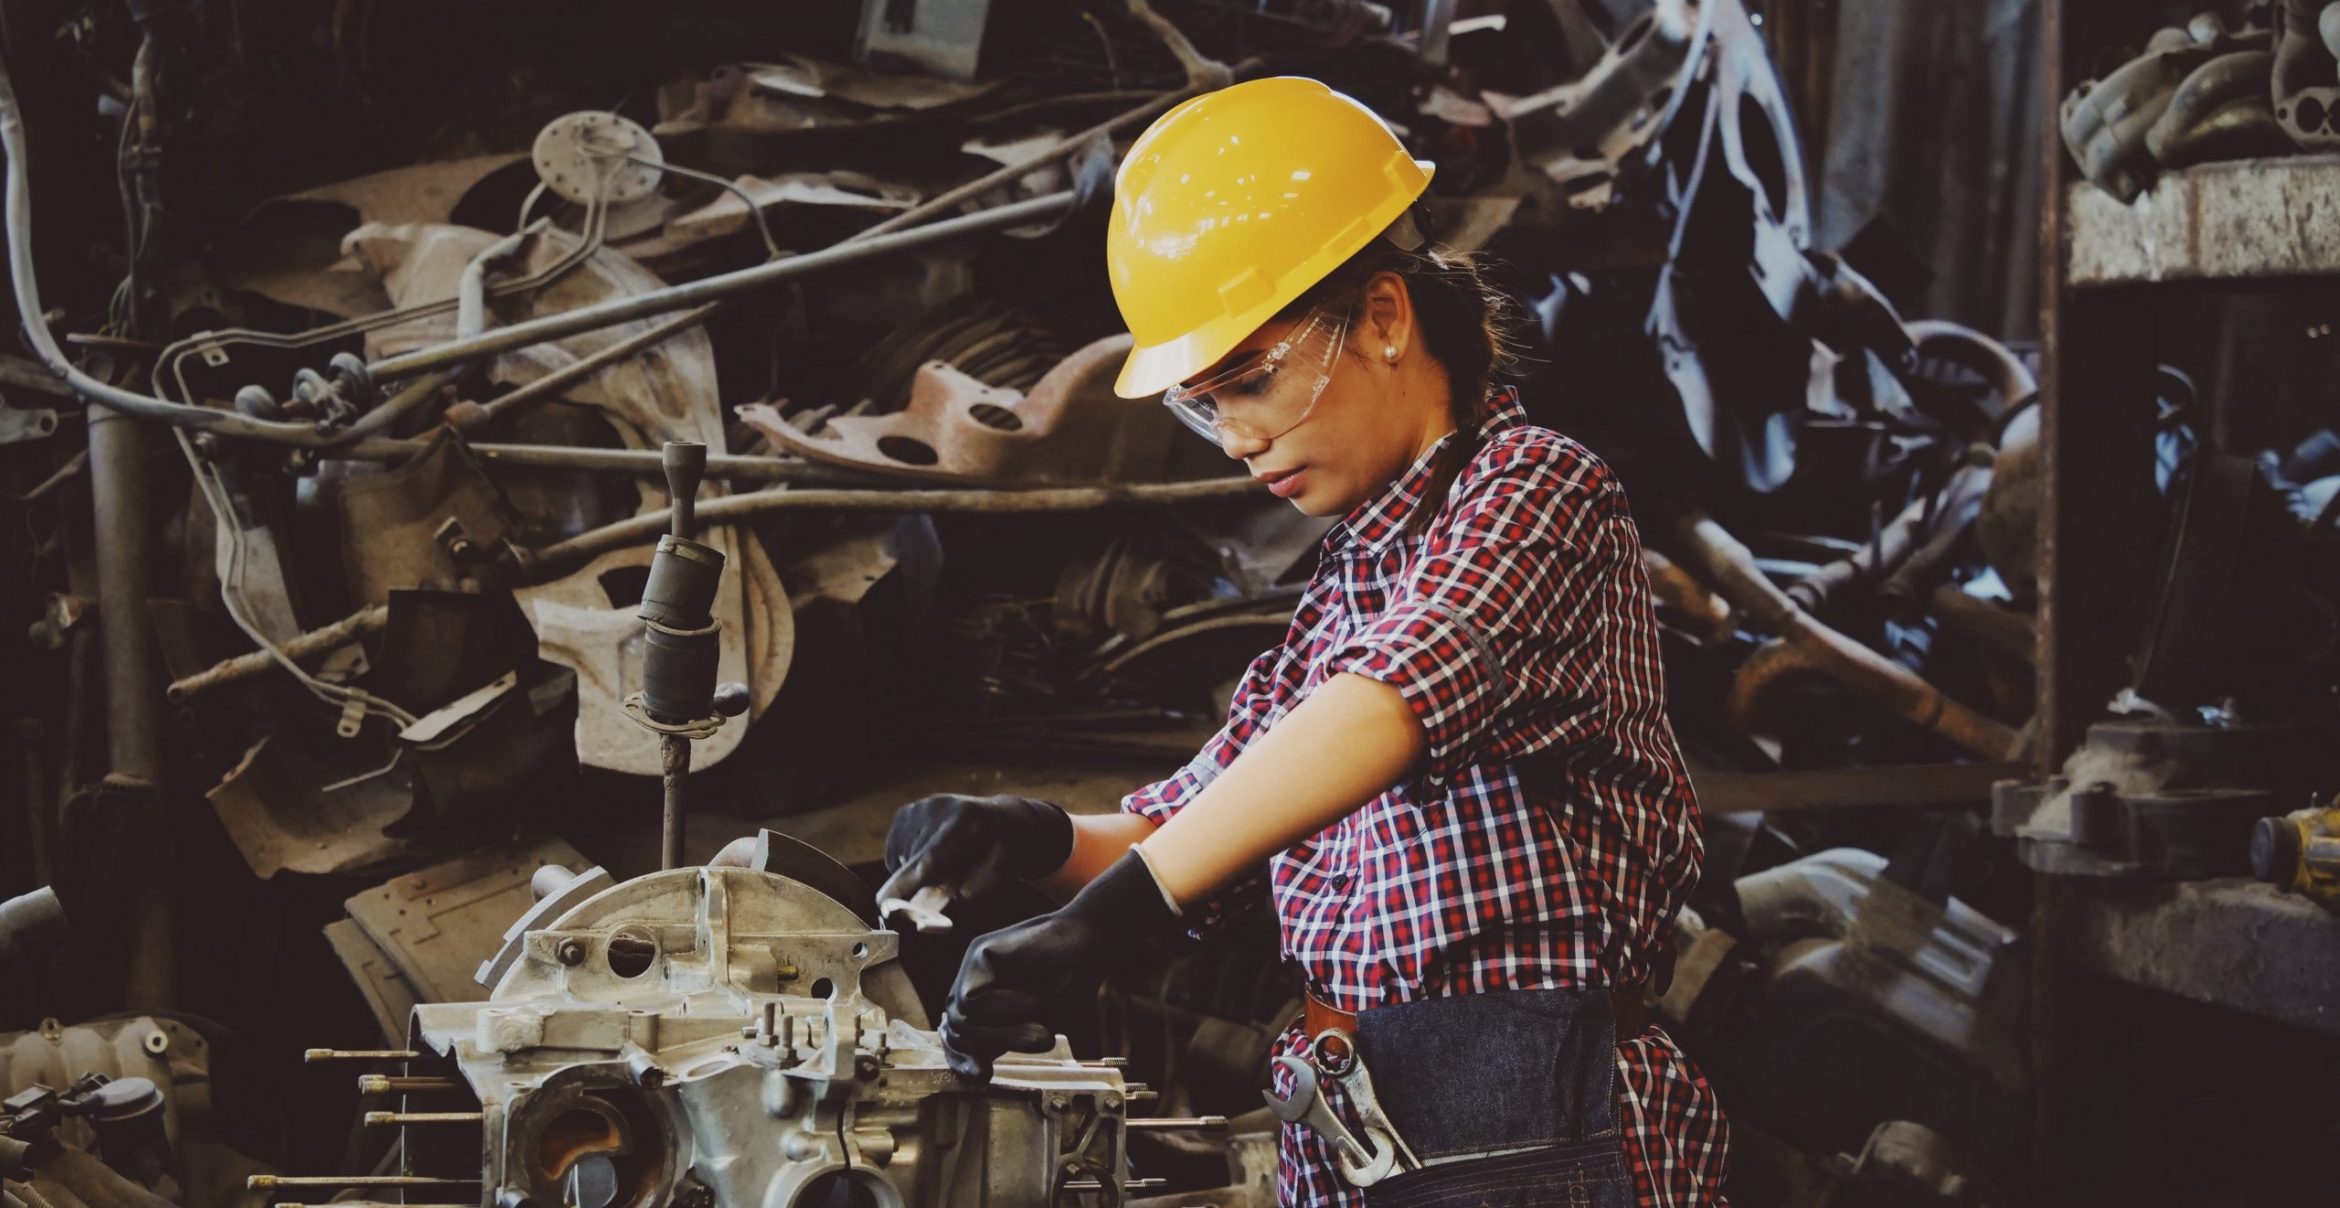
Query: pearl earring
x: 1389, y: 352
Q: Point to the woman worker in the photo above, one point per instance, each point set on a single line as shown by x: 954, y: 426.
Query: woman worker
x: 1456, y: 772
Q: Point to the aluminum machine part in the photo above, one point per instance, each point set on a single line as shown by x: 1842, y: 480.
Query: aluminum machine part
x: 732, y: 1037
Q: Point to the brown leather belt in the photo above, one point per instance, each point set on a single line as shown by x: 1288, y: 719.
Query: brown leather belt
x: 1629, y: 1004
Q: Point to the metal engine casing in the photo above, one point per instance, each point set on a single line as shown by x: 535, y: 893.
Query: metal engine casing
x: 764, y: 1048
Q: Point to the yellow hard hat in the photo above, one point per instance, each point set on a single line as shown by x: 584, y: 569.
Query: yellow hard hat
x: 1233, y: 204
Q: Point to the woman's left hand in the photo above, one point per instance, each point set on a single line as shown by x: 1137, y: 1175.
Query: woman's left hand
x: 1009, y: 976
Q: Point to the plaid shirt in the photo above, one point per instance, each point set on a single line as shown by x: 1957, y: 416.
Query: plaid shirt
x: 1517, y: 626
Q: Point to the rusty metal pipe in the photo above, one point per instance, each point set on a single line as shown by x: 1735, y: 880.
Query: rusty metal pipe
x: 2013, y: 634
x: 1709, y: 616
x: 316, y: 641
x: 1963, y: 345
x: 470, y: 417
x: 584, y: 547
x: 1863, y: 567
x: 1804, y: 643
x: 117, y: 481
x: 272, y: 1182
x: 727, y: 466
x: 416, y: 393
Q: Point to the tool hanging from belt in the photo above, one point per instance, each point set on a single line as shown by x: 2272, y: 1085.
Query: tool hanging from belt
x: 1332, y: 1053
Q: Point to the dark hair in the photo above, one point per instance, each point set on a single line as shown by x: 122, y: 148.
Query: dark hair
x: 1464, y: 321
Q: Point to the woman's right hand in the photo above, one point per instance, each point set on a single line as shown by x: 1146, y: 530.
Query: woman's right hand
x: 971, y: 848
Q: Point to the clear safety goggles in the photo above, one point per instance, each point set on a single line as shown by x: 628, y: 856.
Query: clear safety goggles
x: 1269, y: 391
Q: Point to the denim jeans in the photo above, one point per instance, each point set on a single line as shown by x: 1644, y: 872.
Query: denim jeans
x: 1508, y: 1098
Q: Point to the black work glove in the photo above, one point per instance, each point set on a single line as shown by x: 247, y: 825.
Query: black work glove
x: 1009, y: 977
x: 973, y: 847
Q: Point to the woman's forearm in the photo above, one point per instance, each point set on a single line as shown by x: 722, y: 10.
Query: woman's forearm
x: 1347, y: 743
x: 1098, y: 840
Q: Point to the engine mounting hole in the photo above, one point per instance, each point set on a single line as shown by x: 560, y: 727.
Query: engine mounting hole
x: 845, y: 1189
x: 822, y: 987
x: 631, y: 953
x: 908, y: 451
x: 992, y: 415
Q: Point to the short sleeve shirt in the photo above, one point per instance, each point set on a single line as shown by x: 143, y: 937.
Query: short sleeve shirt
x: 1551, y: 834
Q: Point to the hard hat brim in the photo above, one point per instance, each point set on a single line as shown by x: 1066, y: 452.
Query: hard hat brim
x: 1154, y: 368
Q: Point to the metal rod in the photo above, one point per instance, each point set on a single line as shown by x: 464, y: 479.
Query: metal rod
x: 1912, y: 786
x: 583, y: 367
x: 729, y: 466
x: 940, y: 203
x: 269, y: 1182
x: 1174, y: 1123
x: 313, y: 1056
x: 722, y: 285
x: 124, y: 533
x: 674, y: 763
x: 369, y: 1204
x: 316, y: 641
x: 392, y: 1084
x: 1069, y: 1185
x: 402, y: 1118
x: 584, y: 547
x: 415, y: 394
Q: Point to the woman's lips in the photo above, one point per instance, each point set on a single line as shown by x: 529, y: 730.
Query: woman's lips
x: 1284, y: 484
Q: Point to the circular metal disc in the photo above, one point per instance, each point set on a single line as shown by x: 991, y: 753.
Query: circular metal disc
x: 574, y: 152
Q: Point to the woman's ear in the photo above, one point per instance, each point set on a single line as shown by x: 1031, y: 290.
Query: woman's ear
x: 1387, y: 319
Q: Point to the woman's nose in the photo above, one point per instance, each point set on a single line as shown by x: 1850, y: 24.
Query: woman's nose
x: 1239, y: 446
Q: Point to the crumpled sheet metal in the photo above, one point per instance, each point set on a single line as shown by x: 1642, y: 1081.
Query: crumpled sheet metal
x: 389, y: 520
x: 272, y: 807
x: 289, y: 249
x: 664, y: 393
x: 1070, y: 430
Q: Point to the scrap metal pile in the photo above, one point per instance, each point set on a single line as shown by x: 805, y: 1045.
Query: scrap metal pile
x: 401, y: 310
x: 2203, y: 92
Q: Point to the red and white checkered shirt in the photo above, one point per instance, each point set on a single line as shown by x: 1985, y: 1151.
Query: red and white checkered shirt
x: 1552, y: 833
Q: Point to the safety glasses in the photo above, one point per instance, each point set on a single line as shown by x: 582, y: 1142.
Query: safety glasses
x: 1267, y: 392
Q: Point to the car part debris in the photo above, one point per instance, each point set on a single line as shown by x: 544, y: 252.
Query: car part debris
x: 291, y: 809
x: 2300, y: 852
x: 2306, y: 73
x: 679, y: 700
x: 161, y: 1064
x: 1069, y: 430
x: 369, y: 620
x: 2150, y: 798
x: 436, y: 926
x: 734, y: 1034
x: 941, y: 36
x: 1845, y: 952
x: 597, y: 157
x: 1581, y: 133
x: 32, y: 926
x: 2199, y: 92
x: 1804, y: 642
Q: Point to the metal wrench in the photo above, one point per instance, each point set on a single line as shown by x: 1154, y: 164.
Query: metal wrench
x: 1333, y: 1054
x: 1393, y: 1153
x: 1365, y: 1160
x: 1307, y: 1105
